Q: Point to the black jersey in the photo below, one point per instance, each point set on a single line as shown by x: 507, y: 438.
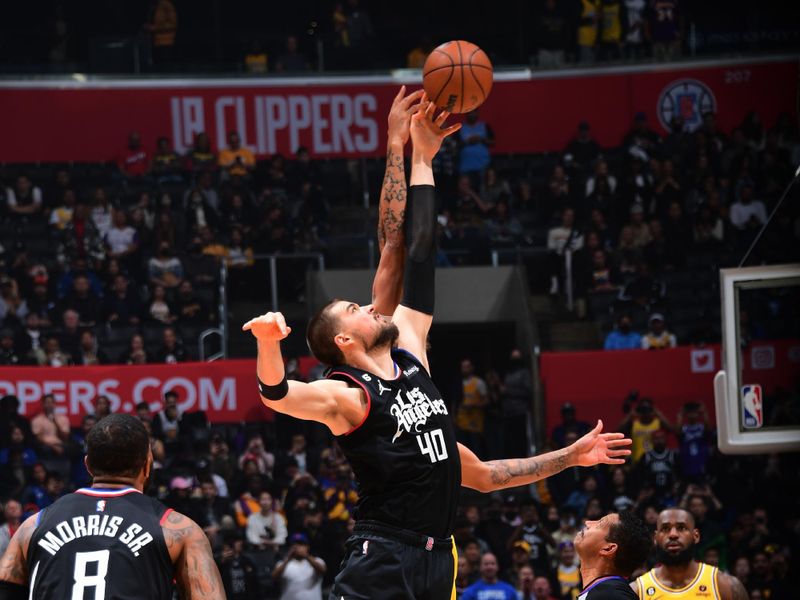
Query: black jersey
x: 404, y: 454
x: 100, y: 544
x: 609, y: 587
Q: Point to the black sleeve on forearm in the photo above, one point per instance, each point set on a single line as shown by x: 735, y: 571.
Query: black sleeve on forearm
x: 13, y: 591
x: 420, y: 269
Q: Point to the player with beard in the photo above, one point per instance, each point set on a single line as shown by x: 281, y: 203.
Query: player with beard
x: 610, y: 550
x: 110, y: 540
x: 390, y: 419
x: 678, y: 575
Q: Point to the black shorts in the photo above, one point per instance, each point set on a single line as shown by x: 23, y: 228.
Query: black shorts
x: 385, y: 563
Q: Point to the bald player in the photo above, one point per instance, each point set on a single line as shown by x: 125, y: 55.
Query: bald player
x: 678, y: 575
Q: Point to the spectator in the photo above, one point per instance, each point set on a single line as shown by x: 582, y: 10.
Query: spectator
x: 199, y: 212
x: 588, y: 28
x: 101, y: 212
x: 613, y: 22
x: 214, y: 513
x: 542, y: 589
x: 69, y: 334
x: 122, y: 306
x: 89, y: 353
x: 553, y: 35
x: 290, y: 60
x: 694, y: 440
x: 489, y: 585
x: 658, y: 469
x: 657, y: 336
x: 165, y: 270
x: 299, y: 573
x: 643, y: 289
x: 53, y: 355
x: 266, y: 529
x: 623, y: 337
x: 665, y: 29
x: 158, y: 308
x: 525, y: 588
x: 538, y: 538
x: 12, y: 519
x: 136, y: 354
x: 342, y: 497
x: 476, y: 138
x: 256, y: 59
x: 567, y: 573
x: 641, y: 424
x: 9, y: 356
x: 635, y: 29
x: 166, y: 424
x: 83, y: 301
x: 201, y: 158
x: 166, y: 164
x: 583, y: 150
x: 236, y: 160
x: 569, y: 423
x: 238, y: 571
x: 134, y: 161
x: 61, y: 215
x: 639, y: 228
x: 560, y: 239
x: 471, y: 414
x: 121, y: 240
x: 200, y: 268
x: 255, y: 451
x: 13, y: 308
x: 747, y: 213
x: 520, y: 559
x: 171, y: 350
x: 102, y: 407
x: 189, y: 309
x: 162, y: 26
x: 516, y: 394
x: 24, y: 200
x: 51, y: 429
x: 469, y: 206
x: 416, y: 57
x: 239, y: 258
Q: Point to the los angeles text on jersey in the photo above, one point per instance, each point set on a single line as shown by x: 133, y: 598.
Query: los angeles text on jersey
x: 413, y: 412
x: 107, y: 525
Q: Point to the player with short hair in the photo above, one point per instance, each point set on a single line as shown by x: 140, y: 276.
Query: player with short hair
x: 390, y: 419
x: 610, y: 549
x: 110, y: 540
x: 678, y: 575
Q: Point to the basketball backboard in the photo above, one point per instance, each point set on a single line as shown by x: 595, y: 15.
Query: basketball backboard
x: 757, y: 394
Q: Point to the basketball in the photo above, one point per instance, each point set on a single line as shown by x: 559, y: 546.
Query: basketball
x: 457, y: 76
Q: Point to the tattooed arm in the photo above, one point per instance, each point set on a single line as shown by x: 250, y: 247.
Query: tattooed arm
x: 13, y: 565
x: 387, y: 287
x: 196, y: 573
x: 592, y: 449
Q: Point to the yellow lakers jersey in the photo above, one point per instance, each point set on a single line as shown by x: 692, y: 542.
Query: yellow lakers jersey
x: 642, y: 435
x: 703, y: 586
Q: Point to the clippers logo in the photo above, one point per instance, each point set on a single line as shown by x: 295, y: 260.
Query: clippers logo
x: 688, y: 99
x: 413, y: 411
x: 752, y: 408
x: 101, y: 506
x: 382, y: 388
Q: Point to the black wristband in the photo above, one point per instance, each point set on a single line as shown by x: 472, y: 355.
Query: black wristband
x: 273, y: 392
x: 13, y: 591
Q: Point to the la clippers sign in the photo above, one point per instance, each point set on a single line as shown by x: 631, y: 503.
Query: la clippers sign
x: 71, y: 120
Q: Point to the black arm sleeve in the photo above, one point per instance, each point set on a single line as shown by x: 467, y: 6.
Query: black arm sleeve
x: 420, y: 270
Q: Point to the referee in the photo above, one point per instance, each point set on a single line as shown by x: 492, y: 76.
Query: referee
x: 611, y: 549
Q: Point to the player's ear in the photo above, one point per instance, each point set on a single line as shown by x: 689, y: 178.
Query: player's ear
x: 696, y: 535
x: 342, y: 340
x: 608, y: 550
x: 86, y: 464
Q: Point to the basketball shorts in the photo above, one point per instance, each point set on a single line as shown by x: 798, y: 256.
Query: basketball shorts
x: 386, y: 563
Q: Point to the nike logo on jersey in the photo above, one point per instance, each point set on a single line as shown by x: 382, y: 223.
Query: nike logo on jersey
x: 382, y: 388
x: 413, y: 411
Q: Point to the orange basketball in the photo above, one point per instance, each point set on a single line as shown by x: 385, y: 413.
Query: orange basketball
x: 457, y: 76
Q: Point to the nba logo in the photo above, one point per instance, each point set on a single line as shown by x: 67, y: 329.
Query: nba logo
x: 101, y: 506
x: 752, y: 408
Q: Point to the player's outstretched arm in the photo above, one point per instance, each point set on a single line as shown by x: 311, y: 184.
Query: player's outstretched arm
x: 387, y: 287
x: 13, y: 565
x: 592, y: 449
x: 414, y: 315
x: 196, y: 573
x: 330, y: 402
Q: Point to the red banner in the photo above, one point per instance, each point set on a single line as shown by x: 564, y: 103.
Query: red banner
x: 598, y: 382
x: 71, y: 120
x: 225, y: 390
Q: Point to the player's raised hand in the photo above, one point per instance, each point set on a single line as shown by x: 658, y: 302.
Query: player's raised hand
x: 428, y: 130
x: 269, y: 327
x: 597, y: 447
x: 403, y: 107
